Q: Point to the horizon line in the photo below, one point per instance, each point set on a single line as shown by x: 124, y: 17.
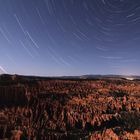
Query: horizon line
x: 124, y: 75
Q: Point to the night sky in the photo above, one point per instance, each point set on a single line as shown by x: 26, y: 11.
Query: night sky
x: 69, y: 37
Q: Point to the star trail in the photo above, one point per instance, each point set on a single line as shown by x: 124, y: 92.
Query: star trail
x: 69, y: 37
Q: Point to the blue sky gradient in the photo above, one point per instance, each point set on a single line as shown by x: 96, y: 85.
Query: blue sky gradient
x: 69, y: 37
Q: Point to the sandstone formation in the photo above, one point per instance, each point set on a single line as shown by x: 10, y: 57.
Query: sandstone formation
x: 56, y: 109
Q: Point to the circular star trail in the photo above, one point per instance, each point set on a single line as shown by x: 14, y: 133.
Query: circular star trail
x: 69, y: 37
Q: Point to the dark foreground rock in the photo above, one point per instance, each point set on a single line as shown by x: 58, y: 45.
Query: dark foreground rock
x: 55, y: 109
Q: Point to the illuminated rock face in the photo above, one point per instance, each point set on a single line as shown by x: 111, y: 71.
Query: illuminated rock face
x: 71, y: 109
